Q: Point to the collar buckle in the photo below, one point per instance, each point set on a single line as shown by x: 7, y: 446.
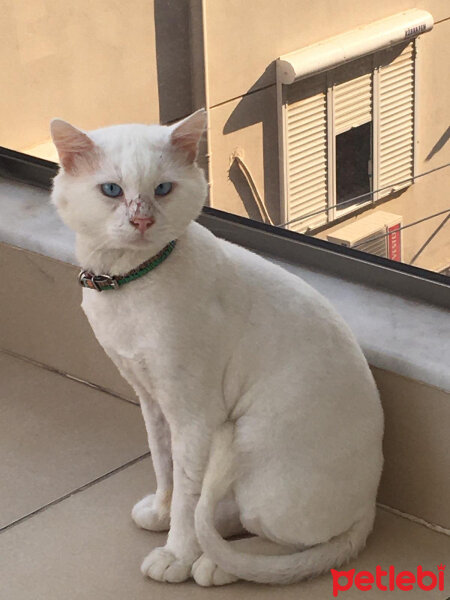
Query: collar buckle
x: 105, y: 280
x: 97, y: 282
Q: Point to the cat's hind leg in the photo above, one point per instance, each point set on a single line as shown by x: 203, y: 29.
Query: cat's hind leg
x: 207, y: 573
x: 287, y: 560
x: 227, y: 518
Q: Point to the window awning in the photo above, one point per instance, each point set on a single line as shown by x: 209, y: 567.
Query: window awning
x: 353, y: 44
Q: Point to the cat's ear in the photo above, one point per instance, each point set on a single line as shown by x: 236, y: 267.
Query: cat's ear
x: 186, y: 134
x: 76, y: 150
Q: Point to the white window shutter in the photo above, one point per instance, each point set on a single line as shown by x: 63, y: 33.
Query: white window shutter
x: 306, y: 152
x: 396, y: 119
x: 352, y: 95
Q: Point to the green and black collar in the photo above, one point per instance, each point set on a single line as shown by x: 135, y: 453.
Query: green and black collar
x: 114, y: 282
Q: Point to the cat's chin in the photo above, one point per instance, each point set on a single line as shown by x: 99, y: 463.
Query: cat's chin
x: 138, y: 242
x: 142, y: 244
x: 143, y: 247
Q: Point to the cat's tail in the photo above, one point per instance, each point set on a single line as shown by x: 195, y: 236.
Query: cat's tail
x: 262, y: 568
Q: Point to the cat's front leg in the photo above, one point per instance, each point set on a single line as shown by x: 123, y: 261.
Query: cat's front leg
x: 173, y: 562
x: 153, y: 511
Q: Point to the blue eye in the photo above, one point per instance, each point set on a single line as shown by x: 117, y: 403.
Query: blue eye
x: 112, y: 190
x: 163, y: 189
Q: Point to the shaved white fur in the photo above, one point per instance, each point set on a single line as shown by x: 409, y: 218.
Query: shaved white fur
x: 260, y: 408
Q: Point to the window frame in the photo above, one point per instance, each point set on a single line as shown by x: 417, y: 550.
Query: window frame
x: 335, y: 214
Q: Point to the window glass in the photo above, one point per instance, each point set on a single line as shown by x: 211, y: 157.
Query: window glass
x: 353, y: 165
x: 355, y: 152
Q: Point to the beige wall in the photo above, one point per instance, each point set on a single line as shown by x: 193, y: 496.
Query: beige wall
x: 243, y: 112
x: 247, y: 126
x: 416, y: 447
x: 92, y: 63
x: 244, y: 38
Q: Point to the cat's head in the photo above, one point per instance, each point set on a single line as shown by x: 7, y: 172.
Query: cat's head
x: 129, y: 186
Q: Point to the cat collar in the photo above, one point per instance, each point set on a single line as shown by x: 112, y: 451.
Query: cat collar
x: 114, y: 282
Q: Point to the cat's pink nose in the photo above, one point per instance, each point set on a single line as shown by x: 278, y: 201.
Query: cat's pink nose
x: 142, y: 223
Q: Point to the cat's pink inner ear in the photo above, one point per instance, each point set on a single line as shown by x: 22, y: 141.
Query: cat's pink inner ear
x: 186, y: 135
x: 76, y: 150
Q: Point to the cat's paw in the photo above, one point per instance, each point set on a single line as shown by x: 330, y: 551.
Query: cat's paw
x: 162, y: 565
x: 206, y: 573
x: 149, y: 516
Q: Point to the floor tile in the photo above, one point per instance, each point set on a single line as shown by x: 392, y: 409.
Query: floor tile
x: 86, y: 547
x: 57, y: 435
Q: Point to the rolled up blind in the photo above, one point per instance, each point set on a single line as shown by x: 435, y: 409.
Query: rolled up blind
x: 352, y: 95
x: 396, y: 118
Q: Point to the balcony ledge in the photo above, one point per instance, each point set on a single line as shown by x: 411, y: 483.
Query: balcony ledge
x: 407, y: 337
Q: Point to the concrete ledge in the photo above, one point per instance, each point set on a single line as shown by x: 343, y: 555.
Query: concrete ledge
x: 416, y: 448
x: 404, y: 336
x: 42, y: 319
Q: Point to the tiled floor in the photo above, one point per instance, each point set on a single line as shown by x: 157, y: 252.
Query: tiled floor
x: 70, y: 472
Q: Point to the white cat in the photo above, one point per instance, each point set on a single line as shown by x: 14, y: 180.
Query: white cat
x: 260, y: 407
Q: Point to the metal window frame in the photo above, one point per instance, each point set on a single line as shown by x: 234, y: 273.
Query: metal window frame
x: 282, y: 154
x: 331, y: 150
x: 26, y: 168
x: 416, y: 100
x: 412, y: 282
x: 375, y: 125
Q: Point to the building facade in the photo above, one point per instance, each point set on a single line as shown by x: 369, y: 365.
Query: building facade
x: 326, y: 118
x: 377, y: 122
